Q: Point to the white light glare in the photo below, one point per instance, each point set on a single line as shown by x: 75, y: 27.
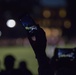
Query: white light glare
x: 11, y: 23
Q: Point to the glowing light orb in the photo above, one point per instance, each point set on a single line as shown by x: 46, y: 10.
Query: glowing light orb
x: 62, y: 13
x: 46, y: 13
x: 11, y: 23
x: 67, y: 24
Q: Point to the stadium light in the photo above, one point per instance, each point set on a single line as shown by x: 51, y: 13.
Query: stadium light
x: 67, y: 24
x: 62, y: 13
x: 47, y: 13
x: 11, y: 23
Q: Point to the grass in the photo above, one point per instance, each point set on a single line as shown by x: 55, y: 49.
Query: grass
x: 21, y: 54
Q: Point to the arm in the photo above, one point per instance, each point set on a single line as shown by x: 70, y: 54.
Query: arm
x: 39, y: 46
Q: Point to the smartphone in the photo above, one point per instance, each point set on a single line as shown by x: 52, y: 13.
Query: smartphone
x: 68, y: 53
x: 29, y: 24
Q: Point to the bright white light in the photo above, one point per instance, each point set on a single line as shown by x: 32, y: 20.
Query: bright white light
x: 11, y: 23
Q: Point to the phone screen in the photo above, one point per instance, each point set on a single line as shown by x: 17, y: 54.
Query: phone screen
x: 28, y: 23
x: 66, y: 53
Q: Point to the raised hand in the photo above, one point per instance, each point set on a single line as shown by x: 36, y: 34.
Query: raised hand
x: 38, y: 41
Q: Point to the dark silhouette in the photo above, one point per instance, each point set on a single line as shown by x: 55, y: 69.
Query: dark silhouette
x: 49, y: 66
x: 9, y: 66
x: 23, y: 69
x: 9, y: 62
x: 10, y: 70
x: 39, y: 46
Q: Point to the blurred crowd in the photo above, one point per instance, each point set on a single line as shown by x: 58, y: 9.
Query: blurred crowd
x: 51, y: 41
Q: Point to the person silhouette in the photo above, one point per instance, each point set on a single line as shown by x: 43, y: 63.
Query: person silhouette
x: 23, y: 69
x: 39, y: 46
x: 9, y: 66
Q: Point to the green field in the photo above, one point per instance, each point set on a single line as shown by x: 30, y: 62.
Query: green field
x: 21, y: 53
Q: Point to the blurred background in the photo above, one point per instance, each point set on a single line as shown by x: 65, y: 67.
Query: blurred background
x: 56, y: 17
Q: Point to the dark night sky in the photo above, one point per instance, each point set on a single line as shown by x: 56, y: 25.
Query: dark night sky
x: 19, y: 7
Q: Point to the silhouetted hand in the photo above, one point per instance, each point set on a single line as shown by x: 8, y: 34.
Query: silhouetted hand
x: 38, y: 42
